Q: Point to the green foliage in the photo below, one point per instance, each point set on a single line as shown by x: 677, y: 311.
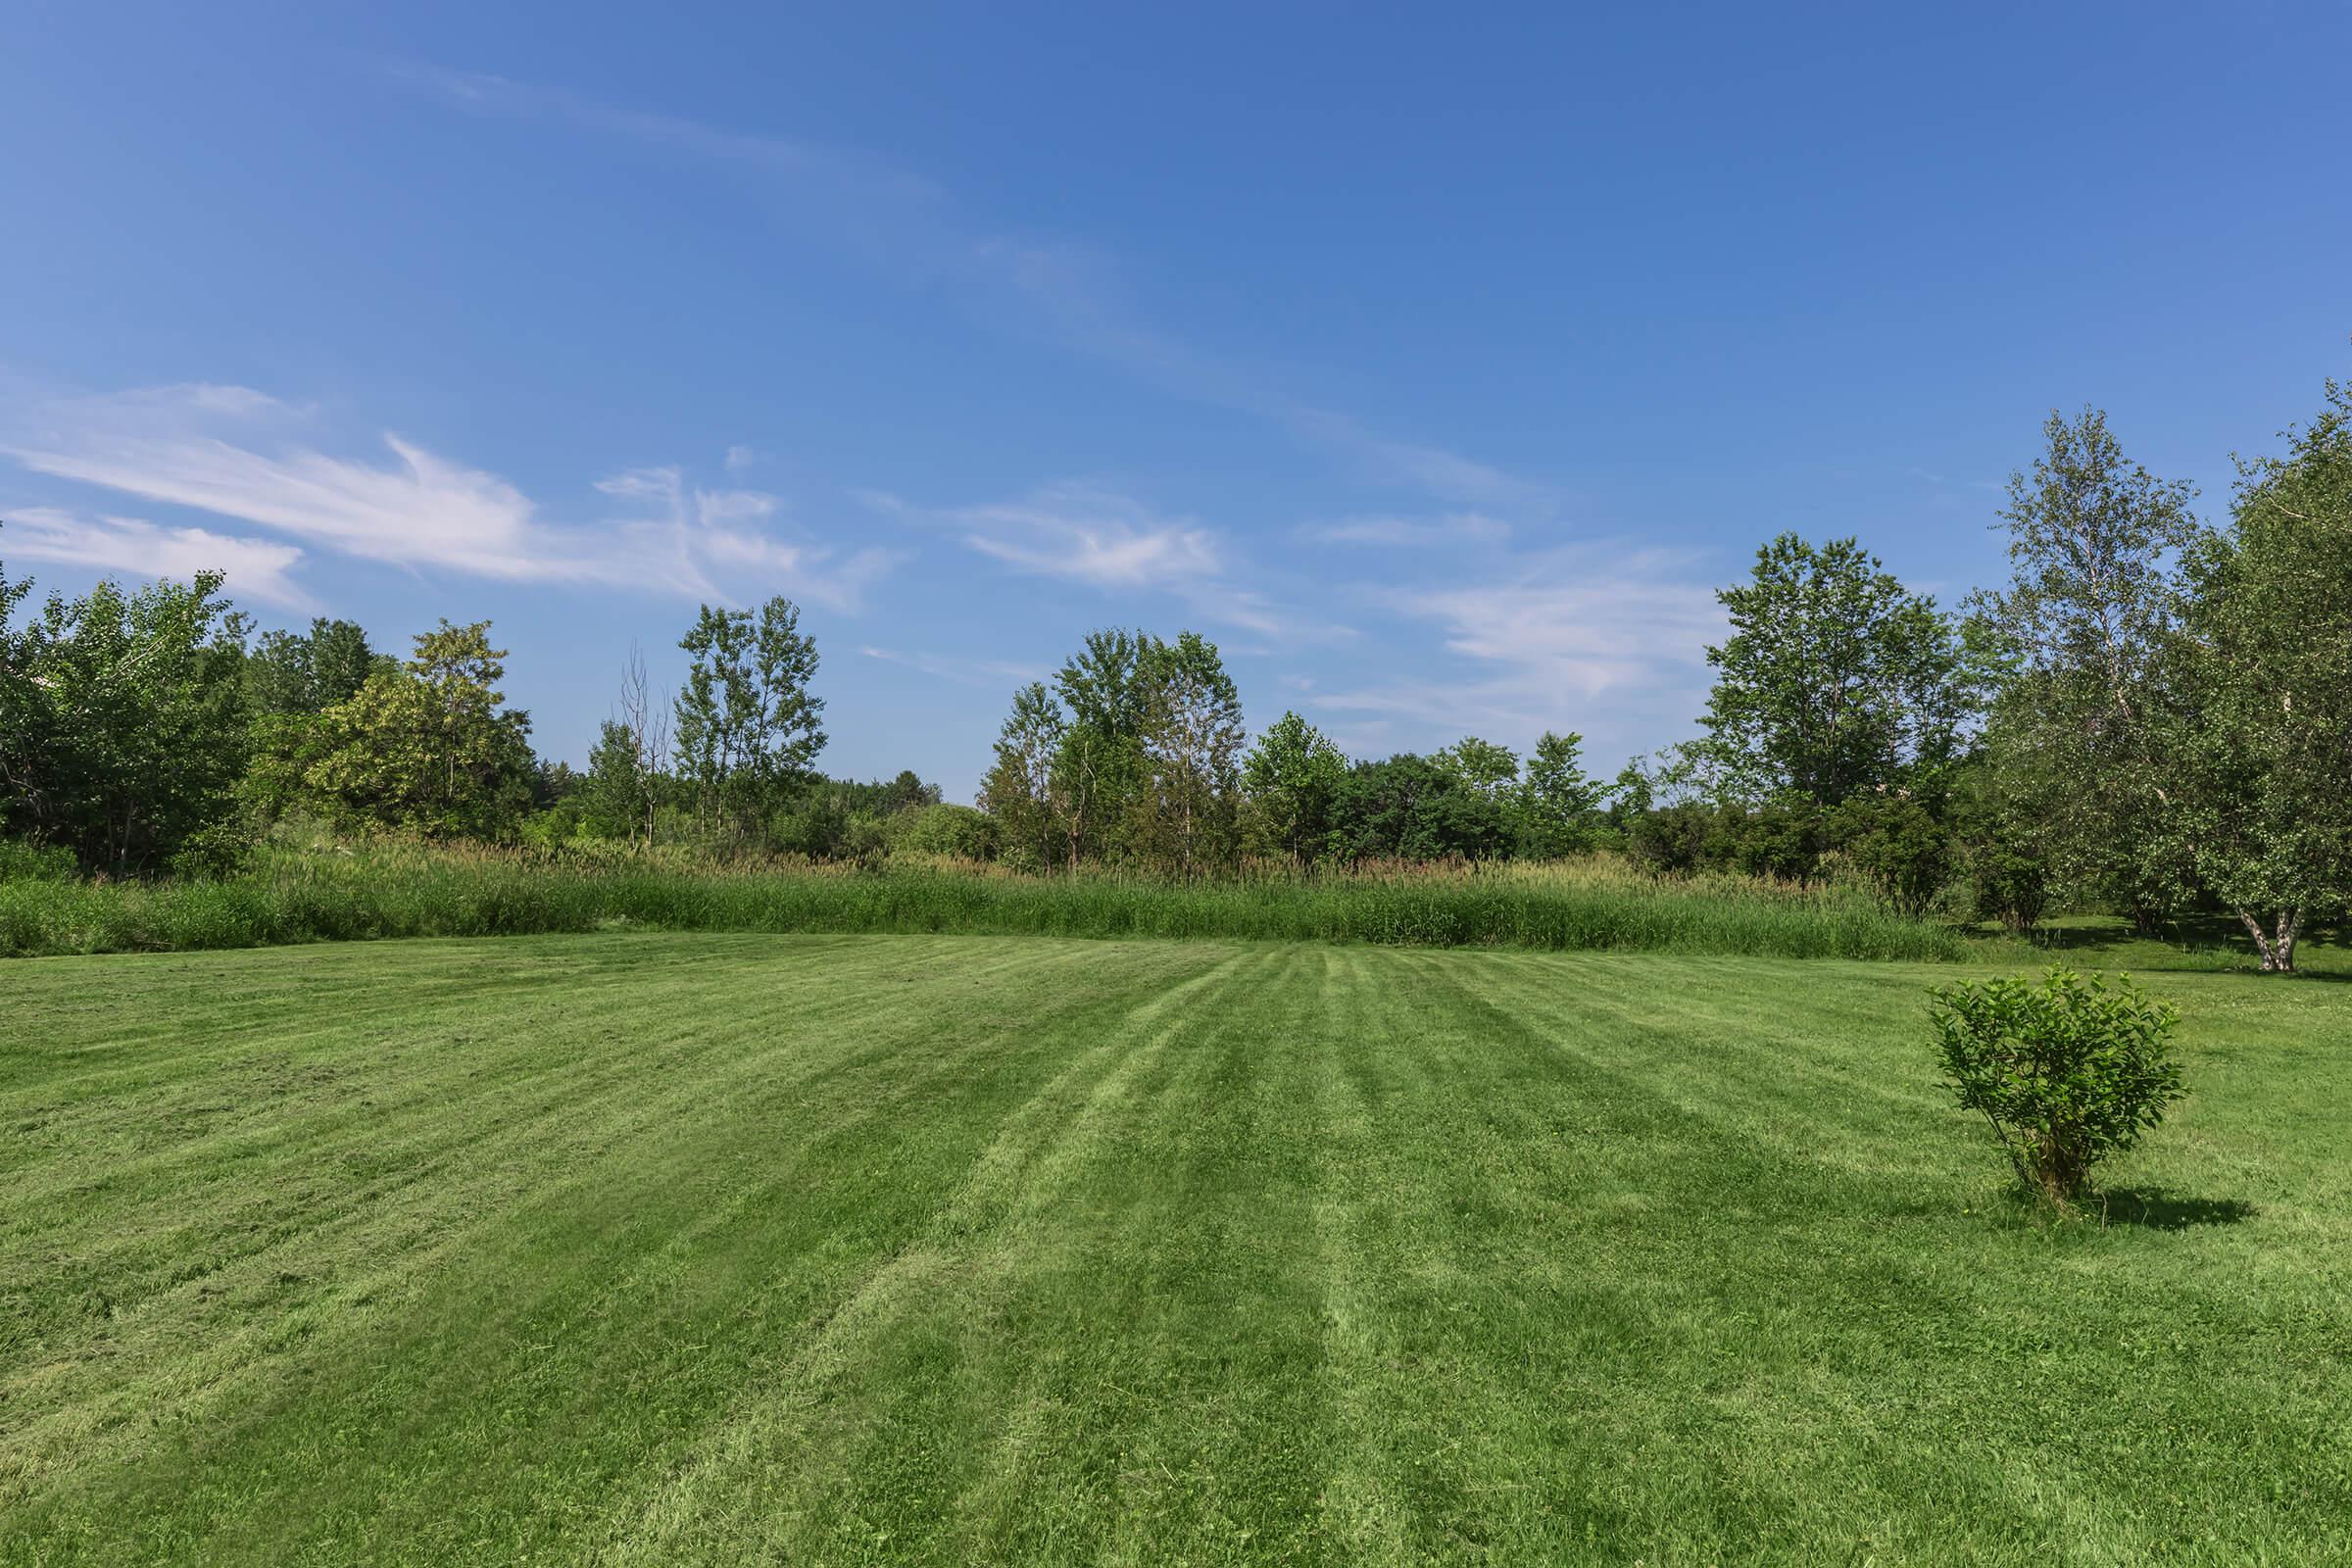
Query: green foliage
x: 121, y: 733
x: 2067, y: 1073
x: 395, y: 889
x: 1559, y: 804
x: 1410, y: 808
x: 1904, y: 849
x: 1017, y: 789
x: 748, y: 728
x: 1098, y: 766
x: 36, y: 862
x: 814, y: 824
x: 2003, y: 847
x: 2007, y: 885
x: 1292, y: 778
x: 2263, y: 722
x: 620, y: 791
x: 1680, y: 838
x: 307, y: 672
x: 1781, y: 839
x: 1836, y: 681
x: 827, y: 818
x: 949, y: 832
x: 551, y: 827
x: 1481, y: 767
x: 423, y: 749
x: 1134, y: 757
x: 1183, y: 815
x: 2078, y: 646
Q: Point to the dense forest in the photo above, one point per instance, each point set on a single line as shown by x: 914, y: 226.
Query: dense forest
x: 2153, y: 715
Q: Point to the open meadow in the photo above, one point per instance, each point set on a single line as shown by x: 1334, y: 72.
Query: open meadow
x: 644, y: 1248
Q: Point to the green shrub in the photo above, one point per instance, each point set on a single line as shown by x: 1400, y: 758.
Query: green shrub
x: 2008, y: 884
x: 553, y: 829
x: 1900, y: 845
x: 36, y: 862
x: 1781, y: 839
x: 2067, y: 1072
x: 1679, y: 839
x: 951, y: 832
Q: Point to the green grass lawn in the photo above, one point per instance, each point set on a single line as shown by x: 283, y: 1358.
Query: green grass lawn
x: 652, y: 1249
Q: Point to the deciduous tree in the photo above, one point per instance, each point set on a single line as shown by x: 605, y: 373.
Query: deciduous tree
x: 1019, y: 788
x: 1559, y: 803
x: 748, y: 727
x: 121, y: 732
x: 425, y: 748
x: 2078, y: 641
x: 2264, y: 728
x: 1291, y: 779
x: 1835, y: 680
x: 1099, y: 765
x: 1182, y: 815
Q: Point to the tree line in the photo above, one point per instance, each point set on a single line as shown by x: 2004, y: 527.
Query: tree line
x: 2153, y: 714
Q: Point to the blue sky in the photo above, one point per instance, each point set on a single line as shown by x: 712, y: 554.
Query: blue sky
x: 1437, y: 361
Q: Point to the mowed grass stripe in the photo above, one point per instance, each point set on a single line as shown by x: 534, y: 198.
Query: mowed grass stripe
x: 713, y: 1250
x: 516, y: 1177
x: 1120, y: 1341
x: 1644, y: 1224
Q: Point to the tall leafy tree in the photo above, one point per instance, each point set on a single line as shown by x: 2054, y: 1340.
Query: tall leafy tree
x: 121, y: 731
x: 1410, y: 807
x: 1559, y: 803
x: 1019, y: 788
x: 1099, y: 765
x: 1184, y: 812
x: 305, y: 673
x: 1835, y: 680
x: 618, y: 794
x: 426, y: 748
x: 2096, y: 546
x: 1483, y: 766
x: 748, y: 726
x: 2263, y: 718
x: 23, y: 714
x: 1291, y: 779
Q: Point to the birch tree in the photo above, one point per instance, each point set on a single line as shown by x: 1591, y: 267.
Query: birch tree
x: 2264, y: 720
x: 1192, y: 745
x: 1018, y: 789
x: 2096, y: 546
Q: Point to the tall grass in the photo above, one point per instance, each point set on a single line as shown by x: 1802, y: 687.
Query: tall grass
x: 333, y: 894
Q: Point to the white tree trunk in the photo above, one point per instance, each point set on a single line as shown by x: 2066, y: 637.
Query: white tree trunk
x: 2277, y: 949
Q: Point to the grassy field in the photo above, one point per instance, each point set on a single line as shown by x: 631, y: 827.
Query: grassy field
x: 335, y: 892
x: 651, y: 1249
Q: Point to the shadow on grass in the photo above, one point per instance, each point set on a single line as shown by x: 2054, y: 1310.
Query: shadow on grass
x: 2159, y: 1209
x: 2205, y: 940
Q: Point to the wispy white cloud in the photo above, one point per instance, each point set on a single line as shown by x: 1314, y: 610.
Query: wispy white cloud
x: 963, y: 672
x: 1433, y: 470
x: 741, y: 458
x: 1458, y: 529
x: 1091, y: 536
x: 1085, y: 533
x: 167, y: 445
x: 914, y: 229
x: 1073, y: 531
x: 241, y: 455
x: 717, y: 541
x: 1594, y: 637
x: 255, y: 569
